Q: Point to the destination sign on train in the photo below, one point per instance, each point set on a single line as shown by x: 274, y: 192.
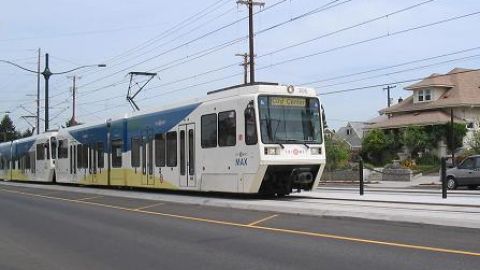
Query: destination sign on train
x: 284, y: 101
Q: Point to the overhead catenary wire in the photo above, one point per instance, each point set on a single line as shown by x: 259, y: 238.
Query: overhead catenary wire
x: 199, y: 37
x: 403, y: 70
x: 346, y: 90
x: 208, y: 51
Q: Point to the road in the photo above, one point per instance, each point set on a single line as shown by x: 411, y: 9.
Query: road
x: 45, y: 229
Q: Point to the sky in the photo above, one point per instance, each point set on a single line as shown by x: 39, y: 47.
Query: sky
x: 191, y: 45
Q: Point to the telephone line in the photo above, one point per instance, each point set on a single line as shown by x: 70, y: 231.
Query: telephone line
x: 391, y: 83
x: 184, y: 44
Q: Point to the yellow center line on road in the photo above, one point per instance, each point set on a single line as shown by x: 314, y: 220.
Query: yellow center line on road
x: 149, y: 206
x: 89, y: 198
x: 262, y: 220
x: 270, y: 229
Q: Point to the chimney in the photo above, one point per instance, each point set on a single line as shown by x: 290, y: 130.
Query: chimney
x: 400, y: 99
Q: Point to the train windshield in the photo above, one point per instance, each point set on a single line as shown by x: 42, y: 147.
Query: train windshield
x: 290, y: 119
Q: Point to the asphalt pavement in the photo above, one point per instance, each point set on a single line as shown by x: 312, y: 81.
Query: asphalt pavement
x: 42, y: 228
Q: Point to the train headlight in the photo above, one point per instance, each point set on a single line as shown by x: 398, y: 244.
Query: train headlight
x: 272, y: 151
x: 316, y: 150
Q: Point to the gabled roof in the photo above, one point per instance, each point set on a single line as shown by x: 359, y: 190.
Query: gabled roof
x: 424, y: 118
x: 463, y: 90
x: 435, y: 79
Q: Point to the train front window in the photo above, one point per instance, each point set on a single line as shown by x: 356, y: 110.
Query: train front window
x: 289, y: 119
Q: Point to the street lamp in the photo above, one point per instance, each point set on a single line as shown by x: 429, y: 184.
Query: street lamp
x: 46, y: 75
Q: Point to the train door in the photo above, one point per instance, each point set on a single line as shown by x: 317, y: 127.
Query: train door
x: 147, y: 159
x: 92, y: 163
x: 187, y: 155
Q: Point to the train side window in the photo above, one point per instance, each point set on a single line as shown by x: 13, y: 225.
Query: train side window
x: 117, y: 153
x: 227, y: 128
x: 191, y: 153
x: 71, y: 159
x: 32, y: 160
x: 251, y: 137
x: 80, y: 156
x: 209, y: 130
x: 27, y: 161
x: 160, y: 150
x: 101, y: 162
x: 172, y: 149
x: 135, y: 152
x: 85, y: 156
x: 53, y: 142
x: 182, y: 152
x: 47, y: 150
x: 63, y: 149
x: 40, y: 152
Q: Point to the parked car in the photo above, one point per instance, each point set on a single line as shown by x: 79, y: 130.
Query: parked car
x: 467, y: 173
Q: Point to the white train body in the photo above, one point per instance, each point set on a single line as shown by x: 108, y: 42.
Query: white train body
x: 29, y: 159
x: 261, y: 138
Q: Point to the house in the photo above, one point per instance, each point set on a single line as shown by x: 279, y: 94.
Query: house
x: 434, y: 100
x: 328, y: 133
x: 352, y: 133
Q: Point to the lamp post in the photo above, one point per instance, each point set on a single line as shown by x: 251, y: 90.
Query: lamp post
x: 46, y: 75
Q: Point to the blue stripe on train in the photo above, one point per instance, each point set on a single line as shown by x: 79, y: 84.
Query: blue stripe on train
x: 137, y: 126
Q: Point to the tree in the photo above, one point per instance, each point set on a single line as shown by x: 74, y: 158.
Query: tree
x: 415, y: 139
x: 7, y: 129
x: 474, y: 143
x: 338, y: 153
x: 459, y: 132
x: 375, y: 146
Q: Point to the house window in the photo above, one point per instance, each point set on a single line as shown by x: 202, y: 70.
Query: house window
x: 425, y: 95
x: 349, y: 131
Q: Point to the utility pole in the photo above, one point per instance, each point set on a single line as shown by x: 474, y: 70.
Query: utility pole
x: 245, y: 66
x: 73, y: 121
x: 452, y: 137
x: 37, y: 123
x: 251, y: 4
x: 46, y: 75
x: 388, y: 88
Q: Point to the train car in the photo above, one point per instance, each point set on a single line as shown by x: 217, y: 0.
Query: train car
x: 29, y: 159
x: 257, y: 138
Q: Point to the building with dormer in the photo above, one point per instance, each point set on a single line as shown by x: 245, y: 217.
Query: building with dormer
x: 434, y: 99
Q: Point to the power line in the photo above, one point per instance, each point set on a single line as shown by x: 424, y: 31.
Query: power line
x: 232, y: 42
x: 404, y: 70
x: 390, y: 66
x: 370, y: 40
x: 332, y: 49
x: 390, y: 83
x: 202, y: 36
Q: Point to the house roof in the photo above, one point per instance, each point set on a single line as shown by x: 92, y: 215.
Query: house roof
x: 423, y: 118
x: 463, y: 89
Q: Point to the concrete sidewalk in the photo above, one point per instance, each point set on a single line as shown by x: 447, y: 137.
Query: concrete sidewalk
x: 459, y: 210
x: 426, y: 181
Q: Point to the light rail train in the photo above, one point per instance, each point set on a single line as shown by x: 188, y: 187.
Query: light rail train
x: 259, y: 138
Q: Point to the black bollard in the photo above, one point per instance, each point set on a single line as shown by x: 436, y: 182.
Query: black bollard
x: 360, y: 175
x: 444, y: 177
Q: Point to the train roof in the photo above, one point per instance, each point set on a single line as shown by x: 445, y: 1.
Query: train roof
x: 45, y: 135
x: 224, y: 93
